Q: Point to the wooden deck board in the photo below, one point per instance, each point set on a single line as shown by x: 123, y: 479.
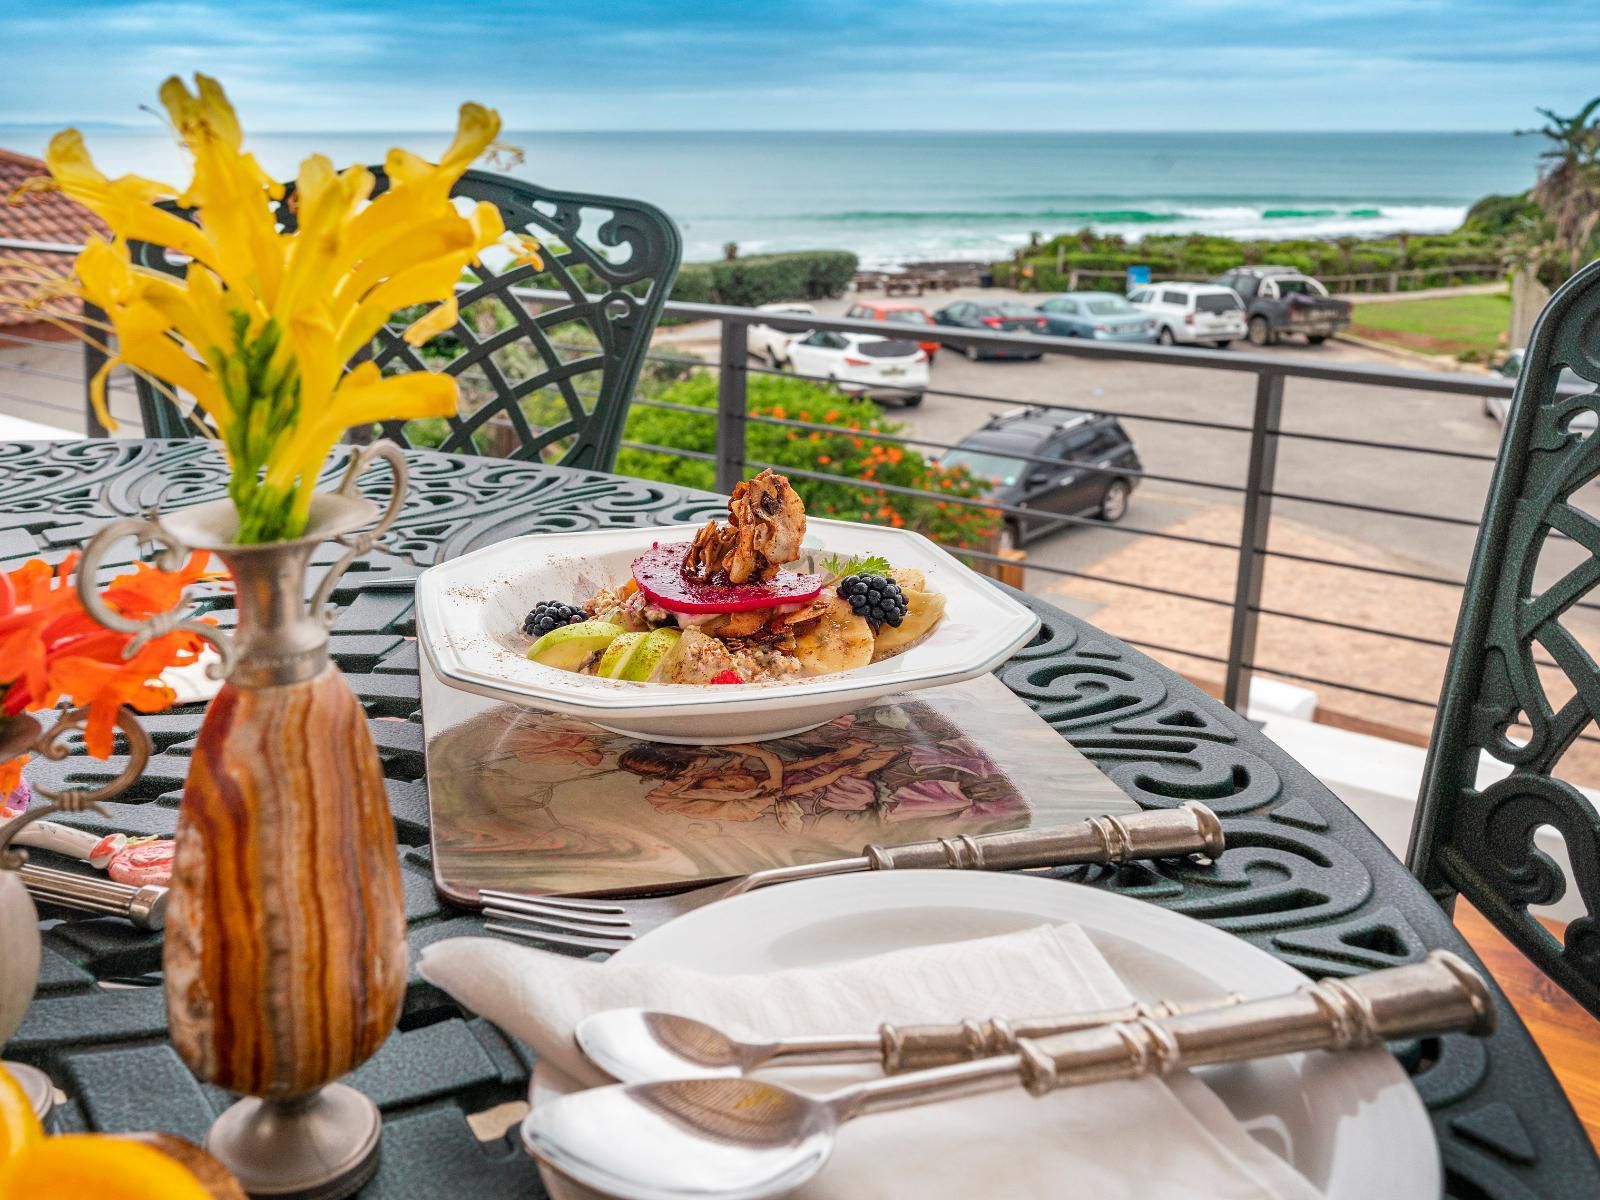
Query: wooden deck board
x: 1565, y: 1032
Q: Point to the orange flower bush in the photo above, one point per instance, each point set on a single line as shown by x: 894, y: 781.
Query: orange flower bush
x: 51, y: 648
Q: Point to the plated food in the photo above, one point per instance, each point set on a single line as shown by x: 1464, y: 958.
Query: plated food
x: 473, y: 622
x: 740, y: 602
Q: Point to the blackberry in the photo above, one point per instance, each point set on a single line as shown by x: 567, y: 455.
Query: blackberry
x: 547, y: 614
x: 875, y: 597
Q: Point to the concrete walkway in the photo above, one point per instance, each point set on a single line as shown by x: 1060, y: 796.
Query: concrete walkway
x: 1465, y: 289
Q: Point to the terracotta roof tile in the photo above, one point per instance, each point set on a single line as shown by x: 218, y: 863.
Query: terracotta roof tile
x: 35, y: 217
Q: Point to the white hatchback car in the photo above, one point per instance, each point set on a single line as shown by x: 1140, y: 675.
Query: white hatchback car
x: 863, y: 364
x: 764, y: 341
x: 1192, y: 312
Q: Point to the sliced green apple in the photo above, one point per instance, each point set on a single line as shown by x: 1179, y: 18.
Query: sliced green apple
x: 568, y: 647
x: 622, y: 648
x: 647, y: 661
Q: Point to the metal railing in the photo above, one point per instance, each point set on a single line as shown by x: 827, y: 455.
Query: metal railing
x: 1261, y: 486
x: 1261, y: 439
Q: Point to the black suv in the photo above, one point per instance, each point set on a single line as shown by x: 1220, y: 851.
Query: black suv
x: 1092, y: 466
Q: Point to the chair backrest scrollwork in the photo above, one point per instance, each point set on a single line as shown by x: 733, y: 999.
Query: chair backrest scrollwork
x: 1521, y: 684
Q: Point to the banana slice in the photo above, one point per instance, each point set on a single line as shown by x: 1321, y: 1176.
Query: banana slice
x: 839, y: 641
x: 910, y: 579
x: 923, y: 612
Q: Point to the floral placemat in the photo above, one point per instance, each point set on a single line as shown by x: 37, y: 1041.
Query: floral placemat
x: 533, y: 801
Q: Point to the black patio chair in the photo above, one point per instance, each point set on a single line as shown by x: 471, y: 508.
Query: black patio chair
x: 1501, y: 694
x: 539, y: 377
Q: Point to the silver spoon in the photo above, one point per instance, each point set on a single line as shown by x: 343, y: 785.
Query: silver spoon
x: 747, y: 1139
x: 636, y: 1045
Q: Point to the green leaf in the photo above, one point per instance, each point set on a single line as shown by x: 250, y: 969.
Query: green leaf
x: 837, y: 567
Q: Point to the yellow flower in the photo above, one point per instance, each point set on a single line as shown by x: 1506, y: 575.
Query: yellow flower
x: 260, y: 329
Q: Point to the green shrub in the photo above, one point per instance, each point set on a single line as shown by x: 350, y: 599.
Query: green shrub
x: 1501, y: 216
x: 844, y: 452
x: 766, y: 278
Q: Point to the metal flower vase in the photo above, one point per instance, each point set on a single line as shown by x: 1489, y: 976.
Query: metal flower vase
x: 19, y: 922
x: 285, y: 955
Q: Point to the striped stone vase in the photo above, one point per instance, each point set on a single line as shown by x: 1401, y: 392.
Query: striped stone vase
x: 285, y: 954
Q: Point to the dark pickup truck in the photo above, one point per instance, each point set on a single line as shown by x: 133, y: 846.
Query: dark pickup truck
x: 1280, y: 300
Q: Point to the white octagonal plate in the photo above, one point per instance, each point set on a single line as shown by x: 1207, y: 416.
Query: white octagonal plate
x: 470, y: 611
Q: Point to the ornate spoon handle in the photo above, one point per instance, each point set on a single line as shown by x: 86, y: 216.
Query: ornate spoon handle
x: 1441, y: 994
x: 914, y: 1047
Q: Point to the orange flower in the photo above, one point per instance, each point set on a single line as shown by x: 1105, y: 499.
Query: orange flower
x: 824, y: 459
x: 51, y: 648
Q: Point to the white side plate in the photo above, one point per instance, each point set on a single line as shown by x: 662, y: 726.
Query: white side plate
x: 1352, y: 1124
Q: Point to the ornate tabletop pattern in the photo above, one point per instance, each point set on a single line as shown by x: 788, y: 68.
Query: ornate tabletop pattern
x: 1303, y: 878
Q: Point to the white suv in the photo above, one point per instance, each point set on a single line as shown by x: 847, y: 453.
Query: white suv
x: 1192, y: 312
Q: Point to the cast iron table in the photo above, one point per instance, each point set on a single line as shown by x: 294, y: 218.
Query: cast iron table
x: 1302, y: 878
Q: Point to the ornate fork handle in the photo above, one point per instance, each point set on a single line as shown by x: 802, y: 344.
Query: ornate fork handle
x: 1190, y: 828
x: 359, y: 543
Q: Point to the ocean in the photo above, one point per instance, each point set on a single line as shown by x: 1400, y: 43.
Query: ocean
x: 897, y: 197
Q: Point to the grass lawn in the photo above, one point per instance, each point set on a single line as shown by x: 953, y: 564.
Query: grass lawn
x: 1449, y: 325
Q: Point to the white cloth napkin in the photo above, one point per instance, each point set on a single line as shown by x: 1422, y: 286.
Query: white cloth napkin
x: 1173, y: 1139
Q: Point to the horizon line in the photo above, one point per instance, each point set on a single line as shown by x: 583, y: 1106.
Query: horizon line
x: 128, y: 127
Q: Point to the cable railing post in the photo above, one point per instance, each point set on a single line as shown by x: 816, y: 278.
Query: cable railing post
x: 94, y: 358
x: 1253, y: 538
x: 731, y: 405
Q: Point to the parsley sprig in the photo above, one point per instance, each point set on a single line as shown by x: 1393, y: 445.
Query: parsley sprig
x: 837, y: 567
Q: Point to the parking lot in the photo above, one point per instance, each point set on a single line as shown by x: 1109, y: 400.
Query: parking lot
x: 1144, y: 392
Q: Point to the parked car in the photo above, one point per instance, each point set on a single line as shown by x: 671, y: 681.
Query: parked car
x: 1498, y: 406
x: 1091, y: 467
x: 764, y: 341
x: 1103, y: 316
x: 1192, y: 312
x: 899, y: 314
x: 1280, y: 300
x: 996, y: 317
x: 863, y: 365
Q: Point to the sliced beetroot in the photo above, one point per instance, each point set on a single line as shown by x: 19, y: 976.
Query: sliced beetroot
x: 659, y: 573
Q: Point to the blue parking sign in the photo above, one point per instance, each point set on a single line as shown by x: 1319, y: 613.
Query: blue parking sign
x: 1138, y: 277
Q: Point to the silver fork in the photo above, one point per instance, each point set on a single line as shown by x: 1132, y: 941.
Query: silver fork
x: 574, y: 923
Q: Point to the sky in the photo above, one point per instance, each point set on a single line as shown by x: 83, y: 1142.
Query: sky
x: 299, y: 65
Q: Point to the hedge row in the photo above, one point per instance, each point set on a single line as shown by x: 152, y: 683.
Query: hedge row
x: 766, y: 278
x: 1201, y: 255
x: 841, y: 451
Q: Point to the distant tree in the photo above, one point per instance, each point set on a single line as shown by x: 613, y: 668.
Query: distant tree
x: 1568, y: 188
